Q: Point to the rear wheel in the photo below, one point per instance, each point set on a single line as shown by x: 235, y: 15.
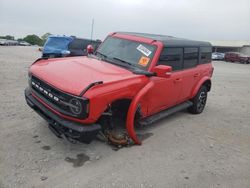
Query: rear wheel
x: 199, y: 101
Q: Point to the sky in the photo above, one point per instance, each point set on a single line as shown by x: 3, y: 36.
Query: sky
x: 192, y: 19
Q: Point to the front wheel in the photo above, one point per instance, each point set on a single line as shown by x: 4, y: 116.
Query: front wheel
x: 199, y: 101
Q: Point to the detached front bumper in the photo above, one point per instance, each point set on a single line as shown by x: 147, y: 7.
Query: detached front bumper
x: 60, y: 126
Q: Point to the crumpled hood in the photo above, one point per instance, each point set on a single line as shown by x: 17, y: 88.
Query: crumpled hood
x: 73, y: 75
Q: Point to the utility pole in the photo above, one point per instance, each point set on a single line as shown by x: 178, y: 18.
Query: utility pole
x: 92, y: 28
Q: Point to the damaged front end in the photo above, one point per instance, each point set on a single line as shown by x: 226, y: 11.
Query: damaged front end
x: 73, y: 131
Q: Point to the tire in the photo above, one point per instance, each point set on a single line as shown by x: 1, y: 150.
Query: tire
x: 199, y: 101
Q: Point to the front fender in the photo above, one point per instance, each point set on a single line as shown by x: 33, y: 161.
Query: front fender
x: 102, y: 95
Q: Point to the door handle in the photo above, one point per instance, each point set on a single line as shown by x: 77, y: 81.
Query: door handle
x: 196, y: 75
x: 177, y: 80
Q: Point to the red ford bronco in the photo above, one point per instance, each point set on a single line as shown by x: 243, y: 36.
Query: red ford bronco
x: 135, y: 77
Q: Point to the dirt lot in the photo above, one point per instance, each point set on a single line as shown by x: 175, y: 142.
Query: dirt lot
x: 207, y: 150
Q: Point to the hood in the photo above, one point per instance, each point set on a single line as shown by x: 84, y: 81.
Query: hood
x: 73, y: 75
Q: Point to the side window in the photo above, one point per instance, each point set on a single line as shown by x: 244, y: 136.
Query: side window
x: 190, y: 57
x: 171, y: 57
x: 205, y: 55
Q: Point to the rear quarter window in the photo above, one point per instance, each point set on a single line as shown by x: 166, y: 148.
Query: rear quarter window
x: 205, y: 55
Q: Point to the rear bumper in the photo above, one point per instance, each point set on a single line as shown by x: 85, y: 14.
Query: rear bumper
x: 60, y: 126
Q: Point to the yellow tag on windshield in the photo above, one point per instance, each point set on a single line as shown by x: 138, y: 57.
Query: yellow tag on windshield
x: 143, y: 61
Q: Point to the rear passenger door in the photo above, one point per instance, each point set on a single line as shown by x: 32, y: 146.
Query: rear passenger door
x: 190, y: 73
x: 205, y: 61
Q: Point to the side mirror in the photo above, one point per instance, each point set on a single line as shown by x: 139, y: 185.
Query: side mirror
x: 65, y: 53
x: 90, y: 49
x: 163, y: 71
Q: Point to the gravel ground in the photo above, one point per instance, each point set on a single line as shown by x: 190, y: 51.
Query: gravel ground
x: 207, y: 150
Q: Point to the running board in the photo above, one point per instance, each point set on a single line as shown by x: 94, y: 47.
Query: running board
x: 156, y: 117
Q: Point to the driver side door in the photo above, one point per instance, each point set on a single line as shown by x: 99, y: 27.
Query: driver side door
x: 166, y: 92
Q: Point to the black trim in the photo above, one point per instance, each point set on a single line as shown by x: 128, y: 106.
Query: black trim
x: 168, y: 41
x: 143, y: 72
x: 52, y: 55
x: 90, y: 86
x: 41, y: 58
x: 60, y: 126
x: 164, y: 113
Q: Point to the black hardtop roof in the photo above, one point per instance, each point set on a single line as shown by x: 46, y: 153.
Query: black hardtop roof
x: 169, y: 41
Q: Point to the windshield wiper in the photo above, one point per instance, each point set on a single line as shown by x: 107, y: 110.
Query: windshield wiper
x: 136, y: 70
x: 123, y: 61
x: 117, y: 61
x: 103, y: 55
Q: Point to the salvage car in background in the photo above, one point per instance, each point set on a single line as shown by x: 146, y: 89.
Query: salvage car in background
x: 64, y: 46
x: 24, y: 43
x: 218, y: 56
x: 236, y: 57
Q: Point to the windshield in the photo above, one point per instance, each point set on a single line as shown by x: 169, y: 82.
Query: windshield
x: 132, y: 53
x: 56, y: 44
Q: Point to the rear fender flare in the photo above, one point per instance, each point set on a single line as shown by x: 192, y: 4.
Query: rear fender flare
x: 204, y: 80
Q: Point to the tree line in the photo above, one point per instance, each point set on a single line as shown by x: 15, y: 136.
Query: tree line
x: 31, y: 39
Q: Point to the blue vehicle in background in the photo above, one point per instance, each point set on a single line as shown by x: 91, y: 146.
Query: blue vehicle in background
x: 64, y: 46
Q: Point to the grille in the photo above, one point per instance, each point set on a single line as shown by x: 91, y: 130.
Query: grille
x: 62, y: 102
